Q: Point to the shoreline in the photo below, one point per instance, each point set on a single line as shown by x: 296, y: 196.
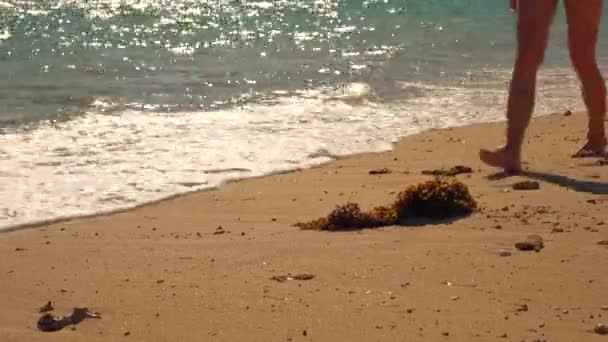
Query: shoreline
x: 58, y: 220
x: 47, y: 174
x: 205, y: 265
x: 105, y: 213
x: 109, y: 213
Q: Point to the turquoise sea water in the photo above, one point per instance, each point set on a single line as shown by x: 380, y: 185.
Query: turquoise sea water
x: 108, y: 103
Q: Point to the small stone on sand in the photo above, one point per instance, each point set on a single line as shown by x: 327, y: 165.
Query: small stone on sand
x: 601, y: 329
x: 526, y: 185
x: 283, y: 278
x: 532, y: 243
x: 383, y: 171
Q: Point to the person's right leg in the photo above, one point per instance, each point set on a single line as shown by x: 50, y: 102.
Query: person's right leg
x: 534, y: 21
x: 583, y: 28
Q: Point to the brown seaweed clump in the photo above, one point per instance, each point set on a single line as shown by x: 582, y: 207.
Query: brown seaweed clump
x: 454, y: 171
x: 383, y: 216
x: 440, y: 198
x: 344, y: 217
x: 436, y: 199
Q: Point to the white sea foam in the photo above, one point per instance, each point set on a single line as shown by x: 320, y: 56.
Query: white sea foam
x: 110, y: 158
x: 4, y: 35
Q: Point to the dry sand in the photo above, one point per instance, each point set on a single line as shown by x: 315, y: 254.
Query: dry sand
x: 159, y: 273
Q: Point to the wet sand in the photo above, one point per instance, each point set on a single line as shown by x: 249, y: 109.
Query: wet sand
x: 165, y: 272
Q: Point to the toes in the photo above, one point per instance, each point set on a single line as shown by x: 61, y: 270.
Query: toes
x: 590, y: 152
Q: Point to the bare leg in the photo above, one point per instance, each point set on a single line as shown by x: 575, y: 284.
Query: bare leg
x: 583, y: 27
x: 534, y: 21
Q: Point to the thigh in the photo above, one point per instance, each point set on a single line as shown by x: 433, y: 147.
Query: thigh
x: 533, y: 23
x: 584, y: 18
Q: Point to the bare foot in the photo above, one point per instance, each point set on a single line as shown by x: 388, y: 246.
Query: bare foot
x: 593, y: 150
x: 500, y: 158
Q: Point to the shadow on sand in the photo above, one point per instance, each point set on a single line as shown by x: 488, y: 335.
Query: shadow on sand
x: 597, y: 188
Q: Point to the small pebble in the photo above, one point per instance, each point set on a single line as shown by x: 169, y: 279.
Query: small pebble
x: 601, y: 329
x: 526, y: 185
x: 504, y: 253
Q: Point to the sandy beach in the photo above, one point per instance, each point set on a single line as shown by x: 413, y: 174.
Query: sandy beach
x: 168, y: 272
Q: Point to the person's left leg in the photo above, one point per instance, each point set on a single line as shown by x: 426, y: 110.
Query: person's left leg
x: 583, y: 28
x: 533, y: 24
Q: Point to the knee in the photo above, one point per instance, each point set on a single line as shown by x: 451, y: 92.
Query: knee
x: 583, y: 60
x: 524, y: 75
x: 529, y: 61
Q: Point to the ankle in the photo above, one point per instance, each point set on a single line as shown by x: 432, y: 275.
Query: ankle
x: 597, y: 139
x: 511, y: 152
